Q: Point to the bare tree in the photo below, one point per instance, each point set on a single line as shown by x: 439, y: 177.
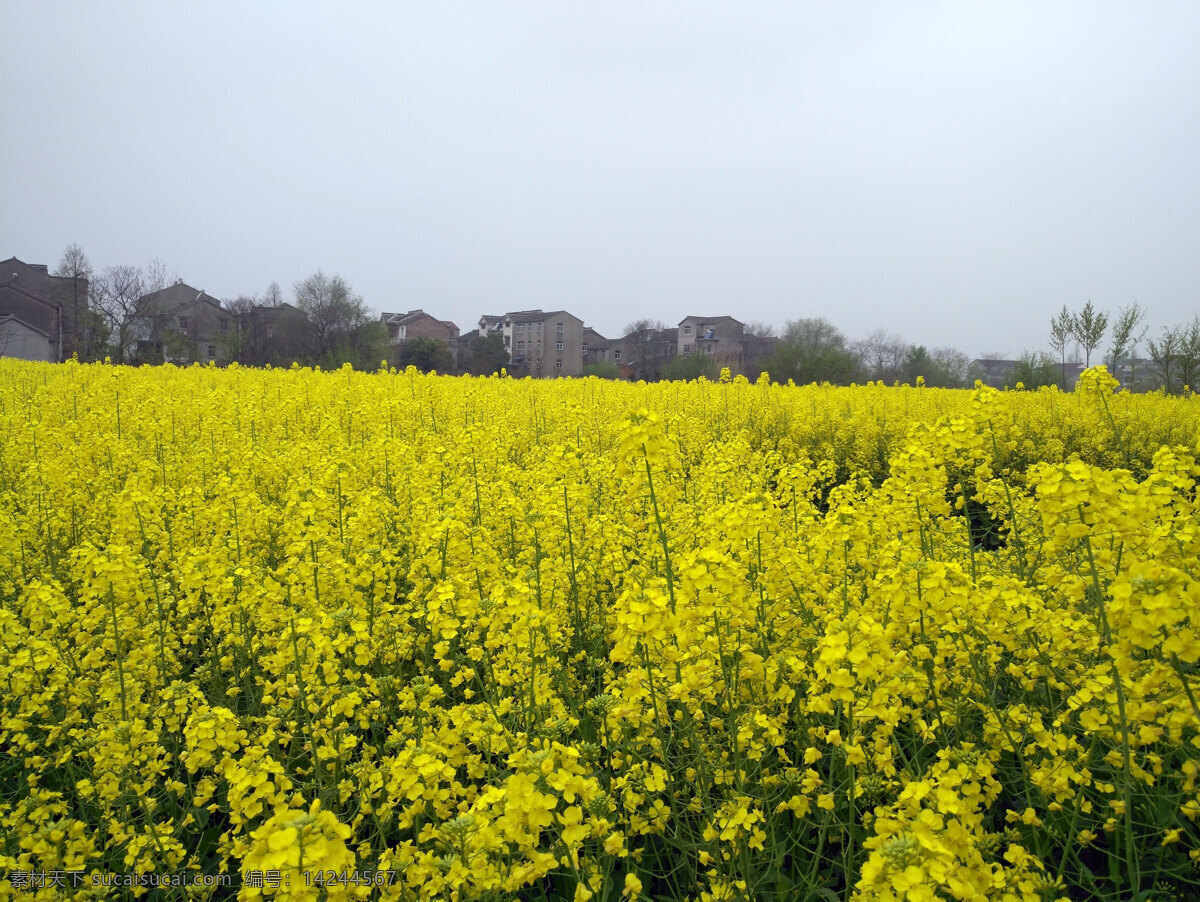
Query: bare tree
x: 882, y: 355
x: 759, y: 330
x: 951, y: 366
x: 1088, y: 328
x: 334, y: 312
x: 156, y: 276
x: 75, y: 266
x: 116, y: 295
x: 646, y: 324
x: 273, y: 296
x: 242, y: 305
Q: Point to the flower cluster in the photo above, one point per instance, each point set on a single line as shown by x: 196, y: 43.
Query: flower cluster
x: 507, y: 639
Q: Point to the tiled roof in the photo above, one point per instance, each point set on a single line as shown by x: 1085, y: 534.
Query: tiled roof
x: 710, y: 319
x: 180, y: 295
x: 5, y: 317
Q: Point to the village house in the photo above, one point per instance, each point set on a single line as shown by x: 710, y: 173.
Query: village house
x: 182, y: 324
x: 1136, y: 374
x: 55, y: 307
x: 719, y: 337
x: 402, y: 327
x: 504, y: 326
x: 35, y: 324
x: 643, y: 354
x: 271, y: 334
x: 24, y: 341
x: 490, y: 325
x: 596, y: 348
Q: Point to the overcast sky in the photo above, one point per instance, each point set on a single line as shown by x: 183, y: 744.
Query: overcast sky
x: 952, y: 172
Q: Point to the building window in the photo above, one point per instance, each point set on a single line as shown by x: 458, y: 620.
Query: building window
x: 520, y: 346
x: 183, y: 323
x: 558, y: 364
x: 224, y: 324
x: 585, y: 347
x: 616, y: 355
x: 212, y: 351
x: 539, y: 344
x: 520, y: 327
x: 687, y: 330
x: 539, y: 327
x: 687, y: 349
x: 558, y: 346
x: 558, y: 328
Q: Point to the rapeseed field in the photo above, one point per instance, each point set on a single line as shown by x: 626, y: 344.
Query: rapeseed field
x: 399, y: 636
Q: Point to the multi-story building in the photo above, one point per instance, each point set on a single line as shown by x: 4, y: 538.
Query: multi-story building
x: 542, y: 344
x: 54, y: 306
x: 490, y: 325
x: 33, y: 324
x: 272, y: 334
x: 720, y: 337
x: 182, y: 324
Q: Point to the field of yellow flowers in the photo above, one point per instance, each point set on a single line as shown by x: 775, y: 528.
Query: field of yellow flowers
x: 387, y: 635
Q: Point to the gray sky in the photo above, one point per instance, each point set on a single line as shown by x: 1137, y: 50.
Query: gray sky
x: 951, y: 172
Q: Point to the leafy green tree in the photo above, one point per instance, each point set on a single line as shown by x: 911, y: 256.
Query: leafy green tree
x: 604, y: 370
x: 1062, y: 329
x: 1189, y: 354
x: 488, y: 356
x: 365, y: 345
x: 689, y: 366
x: 1164, y: 354
x: 426, y: 354
x: 1035, y: 369
x: 176, y: 346
x: 811, y: 350
x: 1088, y: 327
x: 1127, y: 332
x: 941, y: 367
